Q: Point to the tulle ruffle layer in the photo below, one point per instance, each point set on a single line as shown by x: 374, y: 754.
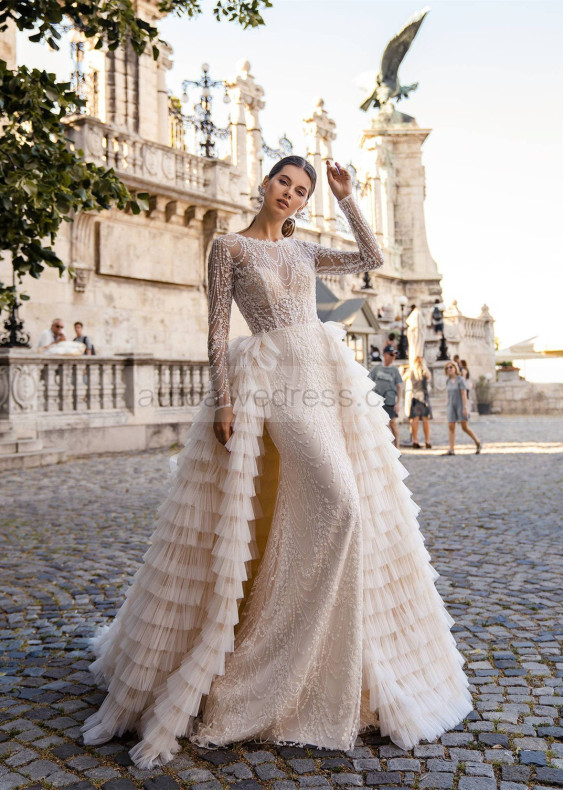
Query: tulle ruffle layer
x: 172, y: 634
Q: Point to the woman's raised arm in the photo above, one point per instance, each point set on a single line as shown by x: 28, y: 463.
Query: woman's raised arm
x: 369, y: 255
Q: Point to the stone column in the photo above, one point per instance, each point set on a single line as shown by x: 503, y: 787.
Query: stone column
x: 319, y: 130
x: 246, y: 132
x: 164, y: 64
x: 393, y: 149
x: 129, y: 90
x: 238, y: 93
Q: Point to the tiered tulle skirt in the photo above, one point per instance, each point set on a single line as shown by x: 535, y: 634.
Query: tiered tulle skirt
x: 175, y: 649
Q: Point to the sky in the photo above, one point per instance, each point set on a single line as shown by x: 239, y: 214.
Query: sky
x: 490, y: 89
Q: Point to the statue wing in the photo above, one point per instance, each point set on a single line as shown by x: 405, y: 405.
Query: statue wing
x: 398, y: 46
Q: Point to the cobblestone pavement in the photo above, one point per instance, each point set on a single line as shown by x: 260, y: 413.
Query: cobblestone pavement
x: 73, y: 535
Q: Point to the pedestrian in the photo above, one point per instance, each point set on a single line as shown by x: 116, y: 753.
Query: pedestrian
x: 465, y: 373
x: 393, y: 339
x: 437, y: 318
x: 388, y: 384
x: 457, y: 406
x: 82, y: 338
x: 375, y: 355
x: 48, y: 338
x: 419, y: 376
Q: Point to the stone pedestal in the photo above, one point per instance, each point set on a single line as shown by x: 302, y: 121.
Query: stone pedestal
x: 393, y: 164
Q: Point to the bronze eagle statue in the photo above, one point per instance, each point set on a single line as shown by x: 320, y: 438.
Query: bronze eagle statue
x: 388, y: 86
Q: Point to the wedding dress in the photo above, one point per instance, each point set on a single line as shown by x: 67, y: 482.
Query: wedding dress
x: 287, y: 595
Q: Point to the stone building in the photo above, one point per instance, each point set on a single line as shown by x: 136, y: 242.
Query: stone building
x: 141, y: 280
x: 140, y: 284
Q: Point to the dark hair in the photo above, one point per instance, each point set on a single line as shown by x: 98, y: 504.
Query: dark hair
x: 298, y: 161
x: 79, y: 323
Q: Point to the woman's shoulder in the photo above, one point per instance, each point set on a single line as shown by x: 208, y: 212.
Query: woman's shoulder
x: 231, y: 243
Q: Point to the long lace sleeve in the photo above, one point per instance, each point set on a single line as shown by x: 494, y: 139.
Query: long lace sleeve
x: 220, y: 296
x: 369, y: 255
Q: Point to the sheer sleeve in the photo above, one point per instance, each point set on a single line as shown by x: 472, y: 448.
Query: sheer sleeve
x: 220, y: 295
x: 369, y: 255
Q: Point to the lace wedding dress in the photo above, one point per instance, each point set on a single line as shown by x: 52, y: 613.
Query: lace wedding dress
x: 287, y: 595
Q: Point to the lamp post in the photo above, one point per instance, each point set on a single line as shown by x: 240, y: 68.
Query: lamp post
x: 439, y: 326
x: 202, y: 121
x: 402, y: 343
x: 14, y: 335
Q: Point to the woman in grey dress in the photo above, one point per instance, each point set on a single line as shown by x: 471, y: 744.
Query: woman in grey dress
x: 457, y: 406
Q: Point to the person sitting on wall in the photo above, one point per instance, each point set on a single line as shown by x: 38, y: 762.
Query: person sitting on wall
x: 54, y: 341
x: 56, y: 334
x: 81, y: 338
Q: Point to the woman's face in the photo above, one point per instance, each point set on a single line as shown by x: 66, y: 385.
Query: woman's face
x: 287, y: 191
x: 450, y: 371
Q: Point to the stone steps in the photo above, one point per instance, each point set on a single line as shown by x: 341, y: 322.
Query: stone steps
x: 25, y: 451
x: 10, y: 446
x: 31, y: 458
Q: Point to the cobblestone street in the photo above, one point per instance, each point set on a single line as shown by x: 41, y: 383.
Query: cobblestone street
x: 73, y: 535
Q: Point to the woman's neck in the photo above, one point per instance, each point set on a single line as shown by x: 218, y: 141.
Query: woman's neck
x: 265, y: 227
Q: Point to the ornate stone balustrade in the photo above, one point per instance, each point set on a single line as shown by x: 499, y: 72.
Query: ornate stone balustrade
x: 95, y: 404
x: 145, y: 162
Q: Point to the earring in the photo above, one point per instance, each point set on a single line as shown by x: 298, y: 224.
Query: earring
x: 261, y: 190
x: 301, y: 214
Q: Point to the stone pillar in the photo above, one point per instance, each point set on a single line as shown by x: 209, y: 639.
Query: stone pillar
x: 246, y: 131
x: 129, y: 90
x: 393, y: 149
x: 239, y: 95
x: 164, y: 64
x: 319, y: 130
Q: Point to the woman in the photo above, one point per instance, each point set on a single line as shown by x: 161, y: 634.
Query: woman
x: 469, y: 384
x: 457, y: 407
x: 419, y: 376
x: 287, y: 595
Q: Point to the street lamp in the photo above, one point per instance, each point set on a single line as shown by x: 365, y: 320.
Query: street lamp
x: 14, y: 335
x: 202, y: 121
x: 439, y: 326
x: 402, y: 343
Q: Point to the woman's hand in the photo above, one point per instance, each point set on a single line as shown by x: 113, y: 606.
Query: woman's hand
x: 223, y: 424
x: 340, y: 181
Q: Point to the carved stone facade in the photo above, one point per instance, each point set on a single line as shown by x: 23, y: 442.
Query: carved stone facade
x: 140, y: 281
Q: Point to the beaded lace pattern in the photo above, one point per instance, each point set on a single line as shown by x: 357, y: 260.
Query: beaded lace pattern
x: 273, y: 283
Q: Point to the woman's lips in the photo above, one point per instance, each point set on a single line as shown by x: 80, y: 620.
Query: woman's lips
x: 282, y: 202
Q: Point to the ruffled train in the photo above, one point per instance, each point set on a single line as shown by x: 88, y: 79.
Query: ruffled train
x: 177, y: 625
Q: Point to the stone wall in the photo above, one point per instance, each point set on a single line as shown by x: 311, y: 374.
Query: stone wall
x: 527, y: 397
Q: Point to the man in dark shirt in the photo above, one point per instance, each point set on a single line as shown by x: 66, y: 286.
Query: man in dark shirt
x: 81, y: 338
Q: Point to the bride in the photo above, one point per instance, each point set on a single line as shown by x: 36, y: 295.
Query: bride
x: 287, y: 595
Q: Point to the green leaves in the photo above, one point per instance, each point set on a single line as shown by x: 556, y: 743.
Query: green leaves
x: 245, y: 12
x: 114, y: 21
x: 43, y: 181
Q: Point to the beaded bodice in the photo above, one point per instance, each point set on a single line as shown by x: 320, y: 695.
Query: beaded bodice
x: 273, y: 283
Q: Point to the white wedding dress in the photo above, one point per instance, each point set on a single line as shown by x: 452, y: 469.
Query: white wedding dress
x: 287, y: 595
